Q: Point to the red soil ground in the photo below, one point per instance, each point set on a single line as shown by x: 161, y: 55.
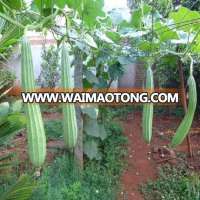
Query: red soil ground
x: 144, y: 159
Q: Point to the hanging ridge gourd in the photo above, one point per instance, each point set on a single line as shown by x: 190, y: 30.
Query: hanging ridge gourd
x: 147, y: 116
x: 70, y: 131
x: 35, y: 127
x: 186, y: 123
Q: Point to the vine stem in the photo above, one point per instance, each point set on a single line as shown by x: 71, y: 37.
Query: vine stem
x: 191, y: 64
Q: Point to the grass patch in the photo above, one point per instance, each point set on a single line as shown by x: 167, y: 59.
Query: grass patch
x: 173, y: 184
x: 53, y: 128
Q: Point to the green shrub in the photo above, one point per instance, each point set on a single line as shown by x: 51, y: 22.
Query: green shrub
x: 49, y: 75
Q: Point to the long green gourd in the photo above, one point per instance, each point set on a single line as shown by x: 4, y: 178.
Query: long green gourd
x: 147, y: 116
x: 35, y: 127
x: 70, y: 130
x: 186, y: 123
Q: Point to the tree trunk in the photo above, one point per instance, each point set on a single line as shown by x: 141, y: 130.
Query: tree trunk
x: 78, y: 83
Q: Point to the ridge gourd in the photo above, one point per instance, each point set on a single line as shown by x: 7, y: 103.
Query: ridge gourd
x: 35, y: 127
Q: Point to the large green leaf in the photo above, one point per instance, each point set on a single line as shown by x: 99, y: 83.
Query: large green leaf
x: 93, y: 128
x: 16, y: 4
x: 164, y: 32
x: 147, y: 46
x: 137, y: 15
x: 44, y: 6
x: 186, y: 19
x: 90, y: 111
x: 11, y: 124
x: 5, y: 161
x: 87, y: 9
x: 12, y: 32
x: 90, y: 148
x: 114, y: 36
x: 21, y: 190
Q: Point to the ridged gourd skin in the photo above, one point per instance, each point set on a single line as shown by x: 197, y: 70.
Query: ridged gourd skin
x: 147, y: 116
x: 35, y: 127
x: 186, y: 123
x: 70, y: 130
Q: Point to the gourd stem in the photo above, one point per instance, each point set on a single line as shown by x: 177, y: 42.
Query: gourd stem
x: 191, y: 64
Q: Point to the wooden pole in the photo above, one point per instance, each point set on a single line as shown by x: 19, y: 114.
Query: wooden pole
x: 78, y: 77
x: 184, y: 102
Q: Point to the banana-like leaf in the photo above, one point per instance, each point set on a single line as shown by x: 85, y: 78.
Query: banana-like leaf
x: 21, y: 190
x: 5, y: 161
x: 6, y: 157
x: 10, y: 124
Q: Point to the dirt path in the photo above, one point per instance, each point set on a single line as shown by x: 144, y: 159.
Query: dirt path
x: 140, y: 165
x: 144, y: 160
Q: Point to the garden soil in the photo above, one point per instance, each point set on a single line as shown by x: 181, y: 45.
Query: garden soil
x: 144, y: 160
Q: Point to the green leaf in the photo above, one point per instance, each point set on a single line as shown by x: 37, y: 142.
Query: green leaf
x: 90, y: 148
x: 103, y: 134
x: 164, y: 32
x: 16, y: 106
x: 104, y: 37
x: 5, y: 161
x: 11, y: 124
x: 91, y: 112
x: 45, y: 7
x: 185, y: 19
x: 4, y: 108
x: 21, y: 190
x: 89, y: 40
x: 88, y: 10
x: 148, y: 46
x: 16, y: 4
x: 137, y: 15
x: 91, y: 127
x: 114, y: 36
x: 91, y: 77
x: 115, y: 70
x: 94, y: 129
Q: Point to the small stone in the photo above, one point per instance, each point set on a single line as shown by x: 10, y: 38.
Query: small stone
x: 160, y: 133
x: 137, y: 173
x: 149, y: 158
x: 37, y: 173
x: 162, y: 155
x: 130, y: 156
